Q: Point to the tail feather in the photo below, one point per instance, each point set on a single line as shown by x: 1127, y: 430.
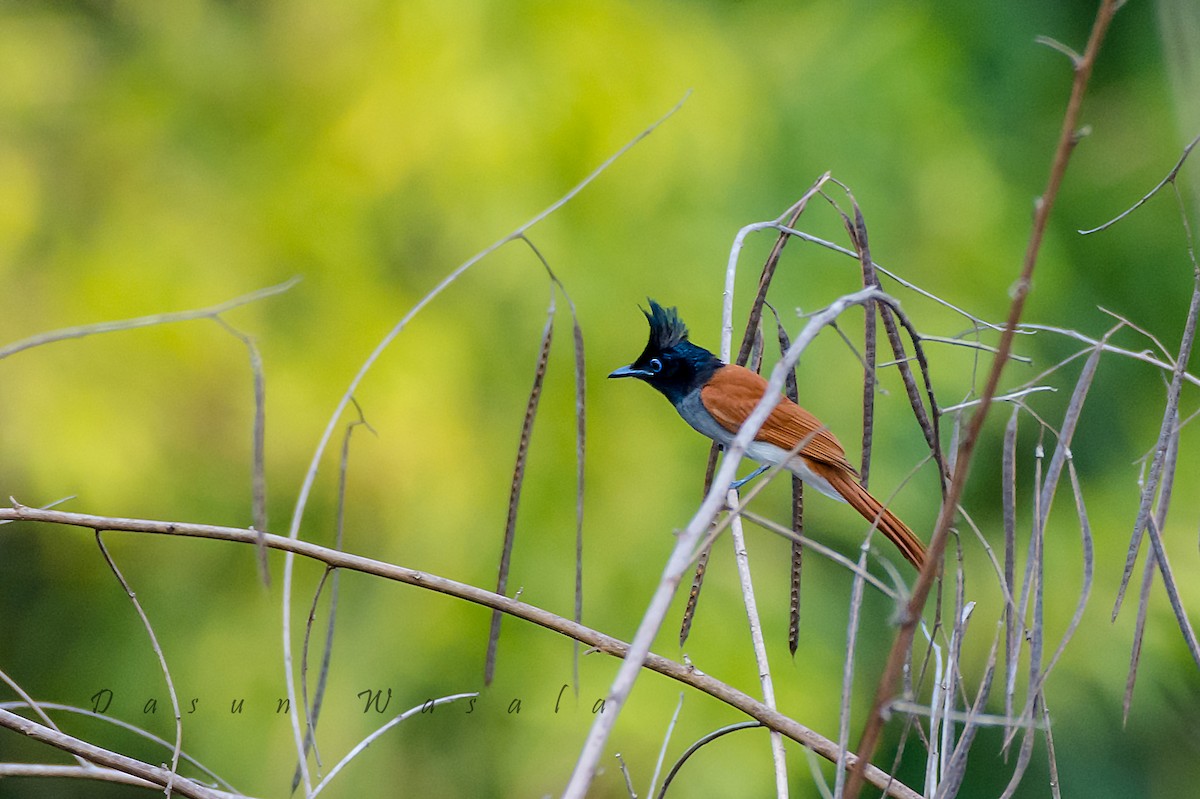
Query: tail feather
x: 873, y: 511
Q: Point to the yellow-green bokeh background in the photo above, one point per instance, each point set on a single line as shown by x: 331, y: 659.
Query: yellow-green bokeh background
x: 163, y: 156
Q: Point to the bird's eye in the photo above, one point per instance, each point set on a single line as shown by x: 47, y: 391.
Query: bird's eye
x: 655, y: 366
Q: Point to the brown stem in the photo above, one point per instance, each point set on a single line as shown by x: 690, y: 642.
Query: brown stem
x: 341, y: 559
x: 1067, y: 139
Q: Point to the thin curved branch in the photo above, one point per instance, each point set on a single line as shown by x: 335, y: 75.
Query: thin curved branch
x: 214, y: 778
x: 310, y: 475
x: 686, y: 545
x: 691, y: 750
x: 162, y: 659
x: 1068, y: 137
x: 81, y: 331
x: 592, y: 638
x: 157, y: 775
x: 1170, y: 178
x: 365, y: 742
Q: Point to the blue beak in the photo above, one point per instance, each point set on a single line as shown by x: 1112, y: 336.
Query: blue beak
x: 629, y: 371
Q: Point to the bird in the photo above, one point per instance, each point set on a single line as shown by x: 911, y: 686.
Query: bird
x: 716, y: 398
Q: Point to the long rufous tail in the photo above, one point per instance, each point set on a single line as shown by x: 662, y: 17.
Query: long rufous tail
x: 861, y: 500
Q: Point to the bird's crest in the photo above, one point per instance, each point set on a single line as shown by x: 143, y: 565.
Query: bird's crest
x: 666, y: 328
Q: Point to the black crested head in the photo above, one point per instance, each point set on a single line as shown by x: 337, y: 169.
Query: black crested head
x: 671, y: 363
x: 666, y: 328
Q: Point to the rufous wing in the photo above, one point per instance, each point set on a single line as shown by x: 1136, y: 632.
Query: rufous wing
x: 731, y: 395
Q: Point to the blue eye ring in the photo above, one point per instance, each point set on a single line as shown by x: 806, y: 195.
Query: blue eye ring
x: 655, y: 366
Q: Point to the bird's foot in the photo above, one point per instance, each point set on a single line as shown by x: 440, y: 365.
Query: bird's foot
x: 736, y: 484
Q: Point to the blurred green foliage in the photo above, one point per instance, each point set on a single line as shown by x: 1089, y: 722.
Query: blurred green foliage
x: 162, y: 156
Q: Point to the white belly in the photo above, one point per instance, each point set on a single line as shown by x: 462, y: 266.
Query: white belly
x: 770, y: 454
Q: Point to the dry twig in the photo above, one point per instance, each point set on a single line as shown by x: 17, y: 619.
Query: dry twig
x: 1068, y: 137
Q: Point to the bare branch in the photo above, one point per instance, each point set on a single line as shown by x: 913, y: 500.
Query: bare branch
x: 370, y: 739
x: 589, y: 637
x: 211, y: 312
x: 903, y: 642
x: 116, y: 722
x: 691, y: 750
x: 157, y: 775
x: 162, y: 660
x: 310, y: 475
x: 742, y: 557
x: 662, y: 751
x: 1170, y: 178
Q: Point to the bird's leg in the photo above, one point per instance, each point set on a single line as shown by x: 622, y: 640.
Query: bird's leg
x: 739, y: 483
